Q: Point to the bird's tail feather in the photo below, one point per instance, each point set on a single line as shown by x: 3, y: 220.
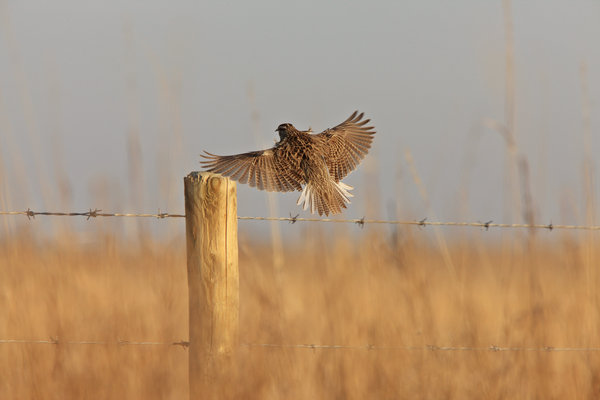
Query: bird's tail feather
x: 327, y: 198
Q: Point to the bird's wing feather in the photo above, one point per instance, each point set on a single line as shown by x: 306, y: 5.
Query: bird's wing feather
x: 345, y: 145
x: 264, y: 169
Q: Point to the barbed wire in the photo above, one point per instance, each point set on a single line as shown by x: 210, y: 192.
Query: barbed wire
x: 120, y: 342
x: 94, y: 213
x: 485, y: 225
x: 54, y: 340
x: 491, y: 348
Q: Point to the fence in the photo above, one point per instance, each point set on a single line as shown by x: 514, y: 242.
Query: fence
x: 213, y: 280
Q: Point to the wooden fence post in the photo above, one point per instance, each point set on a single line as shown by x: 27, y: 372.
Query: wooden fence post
x: 213, y: 280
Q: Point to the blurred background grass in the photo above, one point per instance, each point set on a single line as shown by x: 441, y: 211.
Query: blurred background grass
x: 381, y: 289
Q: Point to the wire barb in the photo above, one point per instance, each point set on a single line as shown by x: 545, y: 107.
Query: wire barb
x: 486, y: 225
x: 92, y: 214
x: 161, y: 215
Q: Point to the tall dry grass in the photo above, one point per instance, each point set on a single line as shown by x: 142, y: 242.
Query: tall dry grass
x: 376, y: 288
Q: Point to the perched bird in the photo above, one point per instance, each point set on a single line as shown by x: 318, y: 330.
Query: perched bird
x: 317, y: 161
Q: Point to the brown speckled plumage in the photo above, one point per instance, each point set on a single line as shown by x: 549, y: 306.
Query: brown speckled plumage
x: 317, y: 161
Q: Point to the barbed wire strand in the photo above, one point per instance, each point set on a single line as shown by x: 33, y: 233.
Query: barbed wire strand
x: 185, y: 344
x: 424, y: 222
x: 119, y: 342
x: 361, y: 222
x: 492, y: 348
x: 92, y: 213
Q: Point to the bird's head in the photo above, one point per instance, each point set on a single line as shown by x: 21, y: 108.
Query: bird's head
x: 284, y: 129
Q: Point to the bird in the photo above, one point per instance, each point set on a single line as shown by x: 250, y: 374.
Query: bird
x: 314, y: 164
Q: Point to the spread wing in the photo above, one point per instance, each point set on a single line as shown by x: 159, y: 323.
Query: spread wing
x: 346, y: 145
x: 264, y: 169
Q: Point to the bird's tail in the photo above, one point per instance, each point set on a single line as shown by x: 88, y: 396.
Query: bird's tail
x: 325, y: 198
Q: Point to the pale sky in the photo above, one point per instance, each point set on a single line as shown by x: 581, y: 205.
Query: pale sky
x: 82, y: 82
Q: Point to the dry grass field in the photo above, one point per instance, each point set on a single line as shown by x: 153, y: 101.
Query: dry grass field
x: 390, y: 291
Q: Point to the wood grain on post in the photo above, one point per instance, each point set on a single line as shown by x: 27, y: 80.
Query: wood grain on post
x: 213, y: 280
